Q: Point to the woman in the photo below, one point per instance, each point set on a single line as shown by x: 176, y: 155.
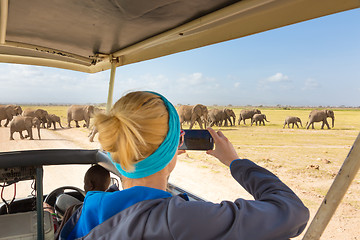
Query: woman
x: 141, y: 134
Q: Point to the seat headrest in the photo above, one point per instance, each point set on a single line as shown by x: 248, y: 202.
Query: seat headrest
x: 63, y: 202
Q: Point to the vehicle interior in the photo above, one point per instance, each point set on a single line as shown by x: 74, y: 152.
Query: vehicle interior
x: 99, y: 35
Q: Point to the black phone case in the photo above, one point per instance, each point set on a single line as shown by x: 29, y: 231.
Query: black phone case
x: 197, y: 140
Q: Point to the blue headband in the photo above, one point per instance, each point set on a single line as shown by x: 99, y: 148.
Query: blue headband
x: 164, y: 154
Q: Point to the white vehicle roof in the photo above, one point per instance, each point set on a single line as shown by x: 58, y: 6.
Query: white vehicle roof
x: 87, y: 35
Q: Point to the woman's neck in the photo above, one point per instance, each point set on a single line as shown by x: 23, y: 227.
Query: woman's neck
x: 157, y: 180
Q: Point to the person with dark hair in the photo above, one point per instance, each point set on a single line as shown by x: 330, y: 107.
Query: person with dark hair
x: 141, y: 134
x: 96, y: 178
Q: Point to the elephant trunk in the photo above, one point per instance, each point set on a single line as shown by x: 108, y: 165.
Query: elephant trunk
x: 39, y: 133
x: 206, y: 117
x: 333, y: 121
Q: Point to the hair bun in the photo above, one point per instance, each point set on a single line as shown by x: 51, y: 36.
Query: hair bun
x: 133, y: 130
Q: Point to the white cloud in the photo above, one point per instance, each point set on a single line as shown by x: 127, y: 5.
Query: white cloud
x: 278, y: 81
x: 143, y: 82
x: 33, y: 84
x: 278, y: 77
x: 23, y: 71
x: 311, y: 84
x: 197, y: 80
x: 237, y: 84
x: 192, y: 79
x: 196, y: 77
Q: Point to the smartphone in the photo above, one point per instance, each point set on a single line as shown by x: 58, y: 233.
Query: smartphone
x: 197, y: 140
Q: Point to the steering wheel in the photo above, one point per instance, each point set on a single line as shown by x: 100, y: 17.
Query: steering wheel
x: 61, y: 200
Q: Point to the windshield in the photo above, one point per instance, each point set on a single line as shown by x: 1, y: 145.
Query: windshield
x: 285, y: 72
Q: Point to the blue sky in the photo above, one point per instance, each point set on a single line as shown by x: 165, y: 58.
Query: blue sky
x: 314, y: 63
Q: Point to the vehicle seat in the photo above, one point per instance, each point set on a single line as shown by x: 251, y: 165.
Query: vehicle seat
x: 63, y: 202
x: 24, y: 226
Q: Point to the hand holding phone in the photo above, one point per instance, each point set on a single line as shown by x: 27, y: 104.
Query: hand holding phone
x: 224, y: 150
x: 195, y: 139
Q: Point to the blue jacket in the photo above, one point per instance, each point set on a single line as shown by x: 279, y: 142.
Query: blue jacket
x: 276, y: 213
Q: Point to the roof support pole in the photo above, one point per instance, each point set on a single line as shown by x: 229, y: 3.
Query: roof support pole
x: 336, y: 192
x: 39, y: 202
x: 114, y: 61
x: 3, y: 19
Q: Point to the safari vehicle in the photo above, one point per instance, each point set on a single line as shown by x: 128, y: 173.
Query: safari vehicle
x: 93, y: 36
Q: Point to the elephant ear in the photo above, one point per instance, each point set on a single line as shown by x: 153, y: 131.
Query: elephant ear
x: 196, y: 108
x: 10, y: 112
x: 35, y: 121
x: 40, y: 112
x: 227, y: 112
x: 199, y: 109
x: 90, y: 109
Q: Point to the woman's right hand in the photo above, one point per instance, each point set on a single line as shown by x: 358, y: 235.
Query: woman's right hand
x: 224, y: 150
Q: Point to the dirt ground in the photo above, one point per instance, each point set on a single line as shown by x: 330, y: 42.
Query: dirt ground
x: 205, y: 177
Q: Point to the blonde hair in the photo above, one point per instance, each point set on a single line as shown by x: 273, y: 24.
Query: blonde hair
x: 135, y: 127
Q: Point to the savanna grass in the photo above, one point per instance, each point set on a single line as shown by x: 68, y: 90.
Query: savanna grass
x: 297, y: 152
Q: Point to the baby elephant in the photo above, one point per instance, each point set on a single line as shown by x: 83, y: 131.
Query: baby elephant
x: 53, y: 119
x: 21, y: 123
x: 261, y: 118
x: 293, y: 120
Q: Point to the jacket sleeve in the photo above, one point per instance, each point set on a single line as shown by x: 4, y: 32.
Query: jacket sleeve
x: 276, y: 213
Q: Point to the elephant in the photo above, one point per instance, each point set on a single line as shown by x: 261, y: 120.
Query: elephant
x: 7, y: 112
x: 217, y: 116
x: 247, y: 113
x: 53, y: 119
x: 92, y: 134
x: 198, y: 113
x: 94, y: 131
x: 79, y: 113
x: 320, y: 116
x: 261, y: 118
x: 22, y: 123
x: 41, y: 114
x: 231, y: 114
x: 293, y: 120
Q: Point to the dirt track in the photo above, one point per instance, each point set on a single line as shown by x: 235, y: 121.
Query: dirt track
x: 211, y: 181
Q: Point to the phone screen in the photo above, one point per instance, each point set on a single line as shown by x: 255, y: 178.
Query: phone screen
x: 197, y: 140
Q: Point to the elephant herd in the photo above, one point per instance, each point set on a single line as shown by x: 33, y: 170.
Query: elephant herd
x: 200, y: 114
x: 19, y: 120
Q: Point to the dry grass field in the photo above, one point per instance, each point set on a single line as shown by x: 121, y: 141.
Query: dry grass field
x: 307, y: 160
x: 290, y: 151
